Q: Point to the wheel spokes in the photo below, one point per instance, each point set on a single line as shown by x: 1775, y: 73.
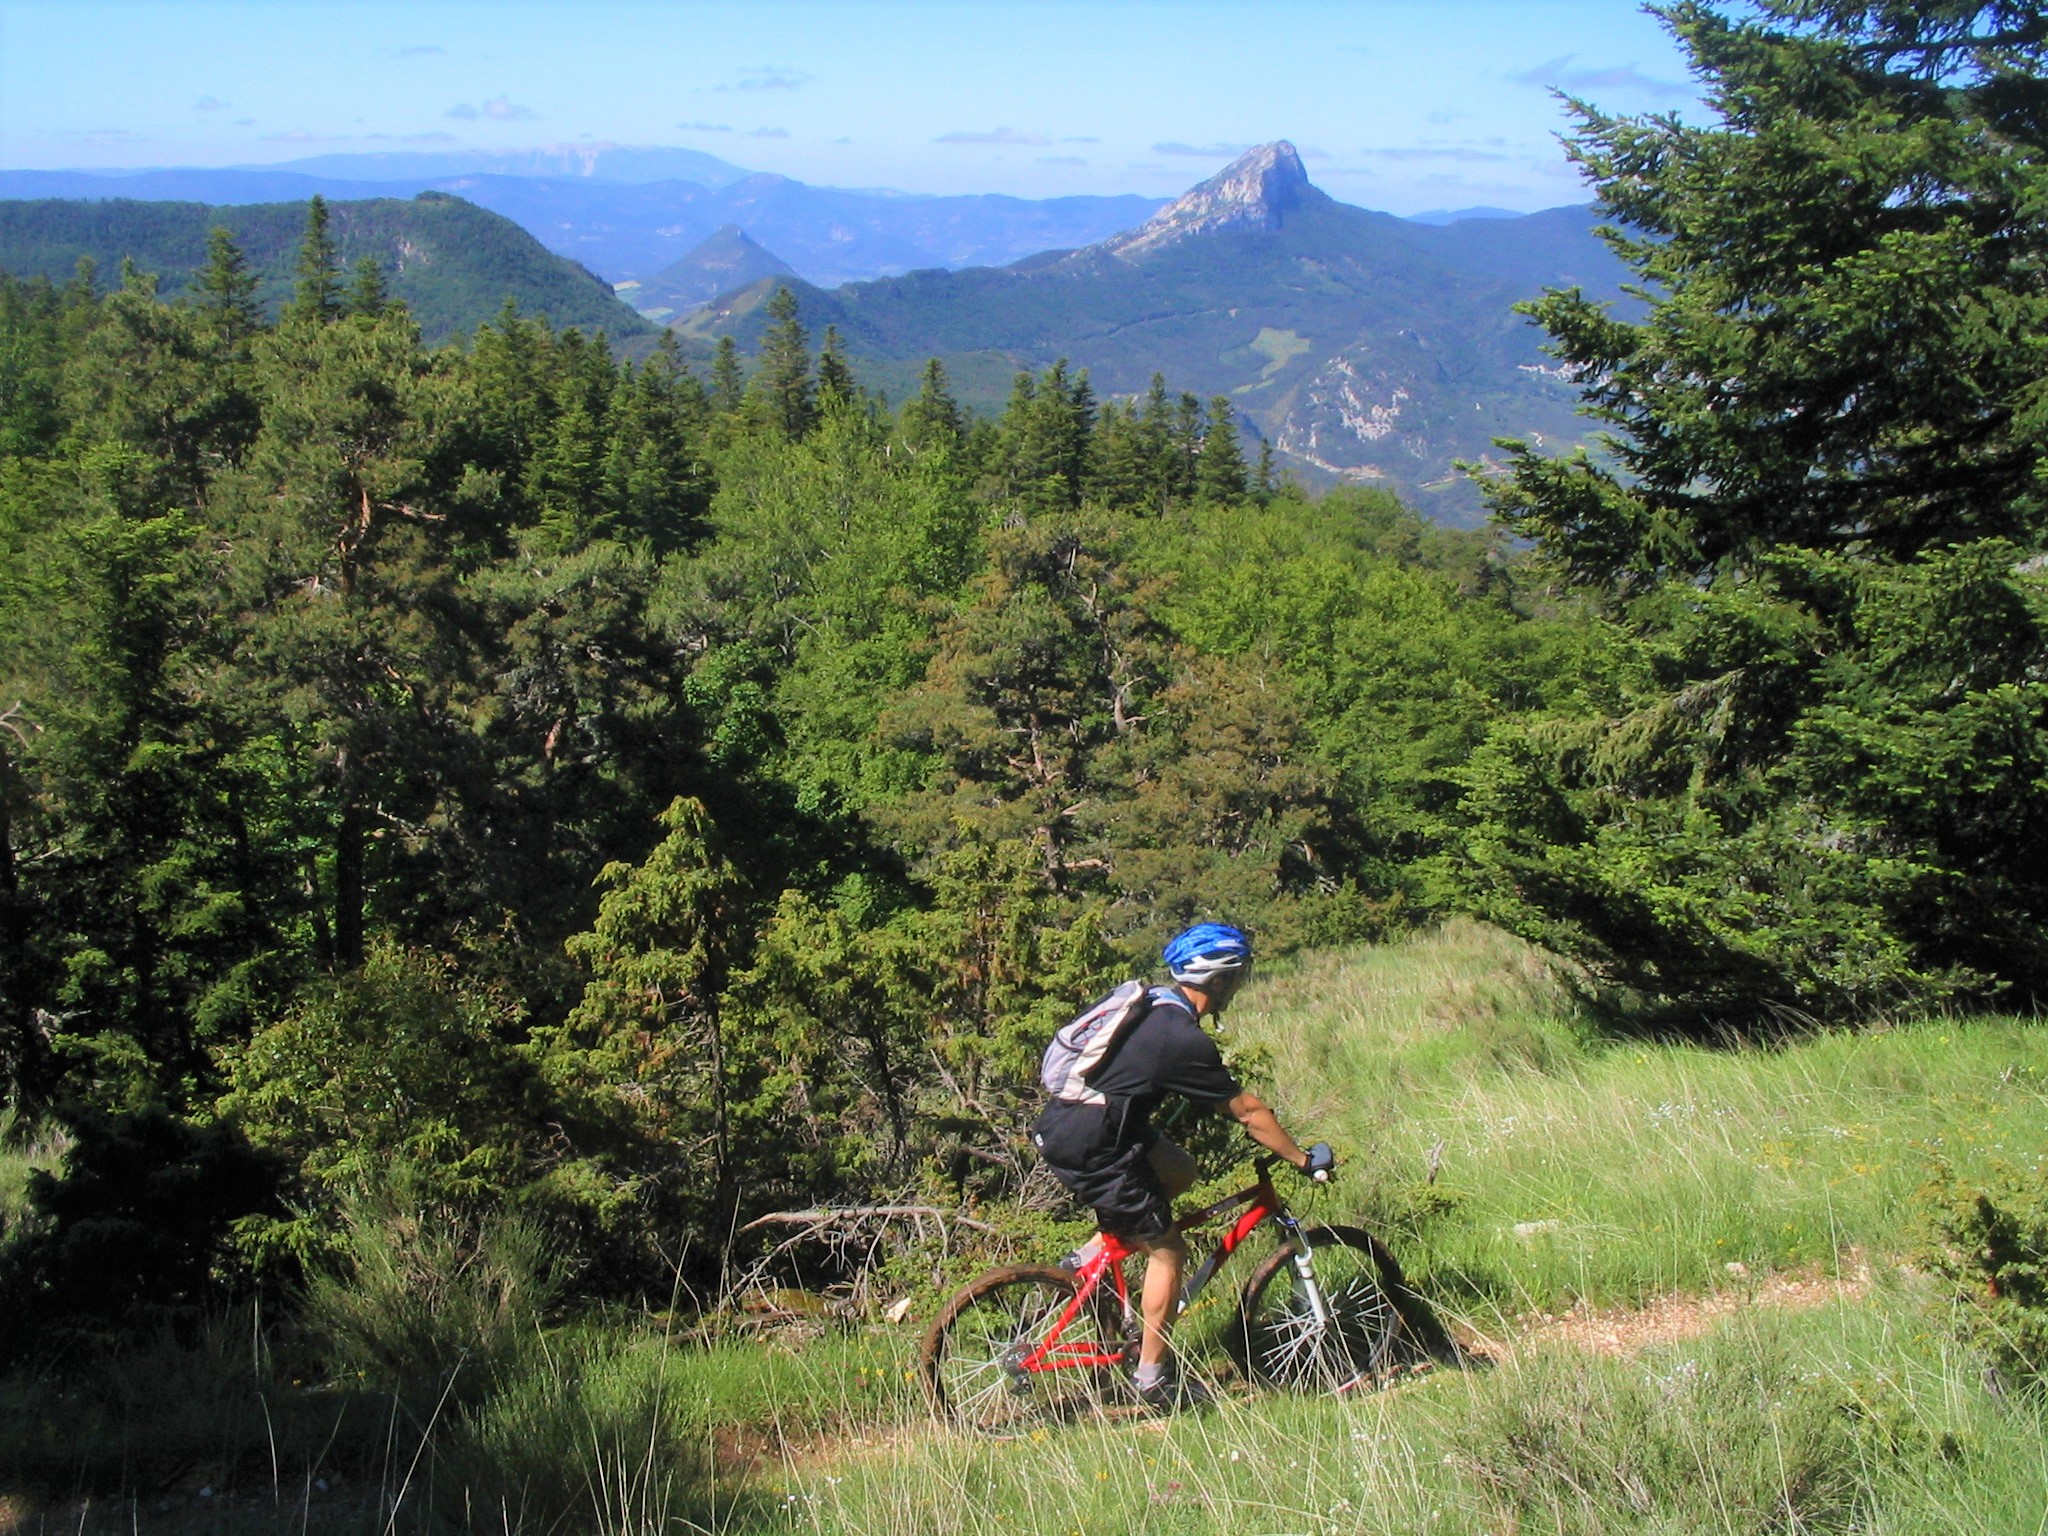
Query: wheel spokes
x: 992, y: 1377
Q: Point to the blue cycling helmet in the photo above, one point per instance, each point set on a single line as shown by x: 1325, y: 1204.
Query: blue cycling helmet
x: 1200, y: 955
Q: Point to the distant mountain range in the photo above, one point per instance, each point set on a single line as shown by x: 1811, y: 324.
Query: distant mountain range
x: 627, y: 214
x: 1363, y: 346
x: 454, y: 264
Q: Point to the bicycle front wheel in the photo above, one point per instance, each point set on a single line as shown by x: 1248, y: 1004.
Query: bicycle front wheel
x: 1334, y: 1333
x: 1018, y: 1348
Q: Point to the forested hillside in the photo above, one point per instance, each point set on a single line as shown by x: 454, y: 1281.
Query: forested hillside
x: 453, y: 264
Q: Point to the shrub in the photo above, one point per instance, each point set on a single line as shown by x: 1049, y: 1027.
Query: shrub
x: 136, y: 1227
x: 1993, y: 1246
x: 433, y: 1305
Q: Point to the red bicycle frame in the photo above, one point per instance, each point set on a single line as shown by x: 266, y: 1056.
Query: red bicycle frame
x: 1054, y: 1352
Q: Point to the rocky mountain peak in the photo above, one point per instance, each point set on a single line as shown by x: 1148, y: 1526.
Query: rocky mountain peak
x: 1257, y: 190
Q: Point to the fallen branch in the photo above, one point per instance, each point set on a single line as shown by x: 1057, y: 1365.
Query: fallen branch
x: 825, y: 1216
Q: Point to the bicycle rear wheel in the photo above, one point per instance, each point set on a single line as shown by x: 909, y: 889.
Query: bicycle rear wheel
x: 1285, y: 1340
x: 990, y: 1361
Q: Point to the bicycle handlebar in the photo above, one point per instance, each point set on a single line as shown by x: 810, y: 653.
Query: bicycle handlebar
x: 1266, y: 1162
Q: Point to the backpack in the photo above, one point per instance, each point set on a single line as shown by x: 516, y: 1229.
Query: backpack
x: 1083, y: 1043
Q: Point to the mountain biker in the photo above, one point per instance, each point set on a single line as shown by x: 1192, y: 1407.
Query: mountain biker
x: 1110, y: 1157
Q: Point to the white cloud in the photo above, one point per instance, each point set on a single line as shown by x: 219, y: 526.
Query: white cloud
x: 500, y: 109
x: 994, y: 136
x: 769, y: 77
x: 1560, y: 74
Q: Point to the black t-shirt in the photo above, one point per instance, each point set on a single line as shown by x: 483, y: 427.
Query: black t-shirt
x: 1165, y: 1052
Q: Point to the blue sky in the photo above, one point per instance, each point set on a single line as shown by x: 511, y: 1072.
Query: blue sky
x: 1401, y: 106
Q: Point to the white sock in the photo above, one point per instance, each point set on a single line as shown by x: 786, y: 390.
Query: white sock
x: 1146, y: 1377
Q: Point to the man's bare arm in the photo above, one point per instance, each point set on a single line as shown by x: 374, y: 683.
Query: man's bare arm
x: 1259, y: 1122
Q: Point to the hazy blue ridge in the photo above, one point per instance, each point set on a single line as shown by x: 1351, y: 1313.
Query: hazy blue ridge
x: 454, y: 264
x: 599, y: 162
x: 1455, y: 215
x: 626, y: 229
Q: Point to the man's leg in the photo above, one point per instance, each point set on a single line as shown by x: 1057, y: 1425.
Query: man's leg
x: 1165, y: 1258
x: 1174, y: 1166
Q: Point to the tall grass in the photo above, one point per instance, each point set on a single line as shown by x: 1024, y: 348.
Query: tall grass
x: 1567, y: 1167
x: 1854, y: 1417
x: 1515, y: 1160
x: 26, y: 1145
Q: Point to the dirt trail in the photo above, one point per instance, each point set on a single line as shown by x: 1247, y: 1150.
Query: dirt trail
x: 1626, y: 1331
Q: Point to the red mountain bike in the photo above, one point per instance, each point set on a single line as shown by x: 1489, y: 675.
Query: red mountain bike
x: 1328, y: 1312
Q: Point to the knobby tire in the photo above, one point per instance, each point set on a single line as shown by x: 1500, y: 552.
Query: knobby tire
x: 969, y: 1361
x: 1376, y: 1322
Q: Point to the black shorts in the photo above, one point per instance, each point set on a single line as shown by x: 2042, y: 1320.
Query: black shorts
x: 1120, y: 1183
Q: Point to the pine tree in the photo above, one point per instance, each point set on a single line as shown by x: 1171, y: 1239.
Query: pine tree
x: 728, y: 384
x: 836, y: 387
x: 317, y: 295
x: 931, y: 418
x: 226, y: 288
x: 782, y: 384
x: 1262, y: 478
x: 367, y: 294
x: 1219, y: 470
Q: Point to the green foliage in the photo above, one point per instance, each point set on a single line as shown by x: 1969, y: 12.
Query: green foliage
x: 650, y: 1031
x: 638, y: 807
x: 782, y: 389
x: 135, y: 1228
x: 1993, y: 1245
x: 397, y: 1064
x: 1806, y: 778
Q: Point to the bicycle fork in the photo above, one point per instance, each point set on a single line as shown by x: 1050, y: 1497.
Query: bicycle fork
x: 1305, y: 1271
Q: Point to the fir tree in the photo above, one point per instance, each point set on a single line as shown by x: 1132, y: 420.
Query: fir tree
x: 836, y: 386
x: 728, y: 384
x: 782, y: 385
x: 317, y: 295
x: 367, y: 295
x: 1219, y: 470
x: 226, y: 288
x: 931, y: 418
x: 1815, y: 530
